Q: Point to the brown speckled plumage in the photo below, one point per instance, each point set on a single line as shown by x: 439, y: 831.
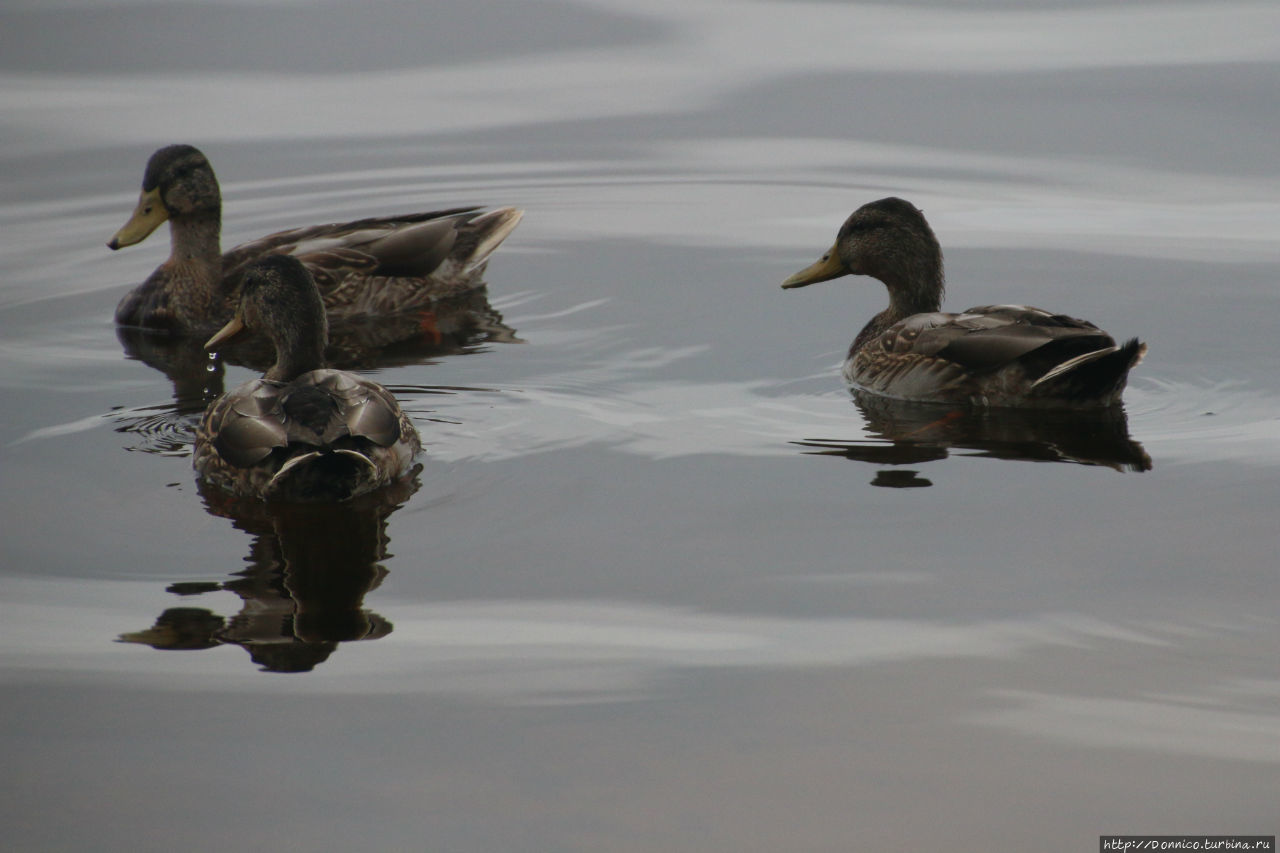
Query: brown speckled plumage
x: 369, y: 267
x: 302, y: 432
x: 995, y: 355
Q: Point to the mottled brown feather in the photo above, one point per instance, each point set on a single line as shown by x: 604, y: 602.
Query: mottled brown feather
x: 369, y: 267
x: 998, y: 355
x: 303, y: 432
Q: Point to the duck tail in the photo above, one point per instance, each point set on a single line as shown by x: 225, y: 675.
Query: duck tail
x: 323, y: 475
x: 488, y: 231
x: 1098, y: 376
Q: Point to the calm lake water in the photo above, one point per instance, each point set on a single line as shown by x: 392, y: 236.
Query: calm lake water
x: 661, y: 583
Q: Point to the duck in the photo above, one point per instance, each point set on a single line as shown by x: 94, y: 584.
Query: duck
x: 365, y: 268
x: 986, y: 356
x: 303, y: 432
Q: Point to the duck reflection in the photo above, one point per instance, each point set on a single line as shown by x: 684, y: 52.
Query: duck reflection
x: 911, y: 433
x: 454, y: 325
x: 302, y: 594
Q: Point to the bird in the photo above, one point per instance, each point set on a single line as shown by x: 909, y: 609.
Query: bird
x: 303, y: 432
x: 364, y: 268
x: 989, y: 355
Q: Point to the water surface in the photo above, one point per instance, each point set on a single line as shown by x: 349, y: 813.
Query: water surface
x: 661, y: 583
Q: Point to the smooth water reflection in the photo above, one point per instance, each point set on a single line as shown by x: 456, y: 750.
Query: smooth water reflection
x: 1231, y: 722
x: 649, y: 593
x: 302, y: 594
x: 907, y: 433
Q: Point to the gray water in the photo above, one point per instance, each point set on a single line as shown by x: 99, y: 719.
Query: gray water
x: 661, y: 583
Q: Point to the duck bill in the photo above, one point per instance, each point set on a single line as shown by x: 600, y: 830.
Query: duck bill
x: 826, y: 268
x: 147, y: 217
x: 226, y: 333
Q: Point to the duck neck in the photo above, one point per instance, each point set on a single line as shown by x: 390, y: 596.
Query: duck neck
x: 296, y: 354
x: 195, y: 265
x: 917, y: 293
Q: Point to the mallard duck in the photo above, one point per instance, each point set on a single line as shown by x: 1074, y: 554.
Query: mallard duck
x: 367, y: 267
x: 302, y: 432
x: 991, y: 355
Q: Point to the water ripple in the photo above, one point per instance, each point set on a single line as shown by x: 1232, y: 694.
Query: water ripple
x: 1220, y: 422
x: 165, y: 429
x: 567, y: 651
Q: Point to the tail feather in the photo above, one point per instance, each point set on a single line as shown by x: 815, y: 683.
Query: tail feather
x: 324, y: 476
x: 1099, y: 375
x: 491, y: 229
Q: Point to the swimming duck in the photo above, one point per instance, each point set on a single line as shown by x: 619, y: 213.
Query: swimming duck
x: 302, y: 432
x: 991, y: 355
x: 368, y: 267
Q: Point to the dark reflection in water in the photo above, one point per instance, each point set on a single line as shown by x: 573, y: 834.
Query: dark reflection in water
x: 910, y: 433
x: 900, y: 480
x: 302, y: 594
x: 310, y: 566
x: 453, y: 326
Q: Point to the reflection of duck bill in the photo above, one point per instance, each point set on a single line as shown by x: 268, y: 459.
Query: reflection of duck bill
x: 900, y: 480
x: 179, y: 629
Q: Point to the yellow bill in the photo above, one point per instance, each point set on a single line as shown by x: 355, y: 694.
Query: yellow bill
x: 226, y: 333
x: 147, y: 217
x: 827, y: 267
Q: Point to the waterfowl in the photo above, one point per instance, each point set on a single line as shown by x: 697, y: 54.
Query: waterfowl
x: 302, y: 432
x: 991, y: 355
x: 368, y: 267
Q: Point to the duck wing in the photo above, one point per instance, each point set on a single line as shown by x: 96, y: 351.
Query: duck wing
x: 318, y: 410
x: 323, y: 406
x: 1000, y: 353
x: 990, y: 337
x: 337, y: 236
x: 245, y: 425
x: 385, y: 264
